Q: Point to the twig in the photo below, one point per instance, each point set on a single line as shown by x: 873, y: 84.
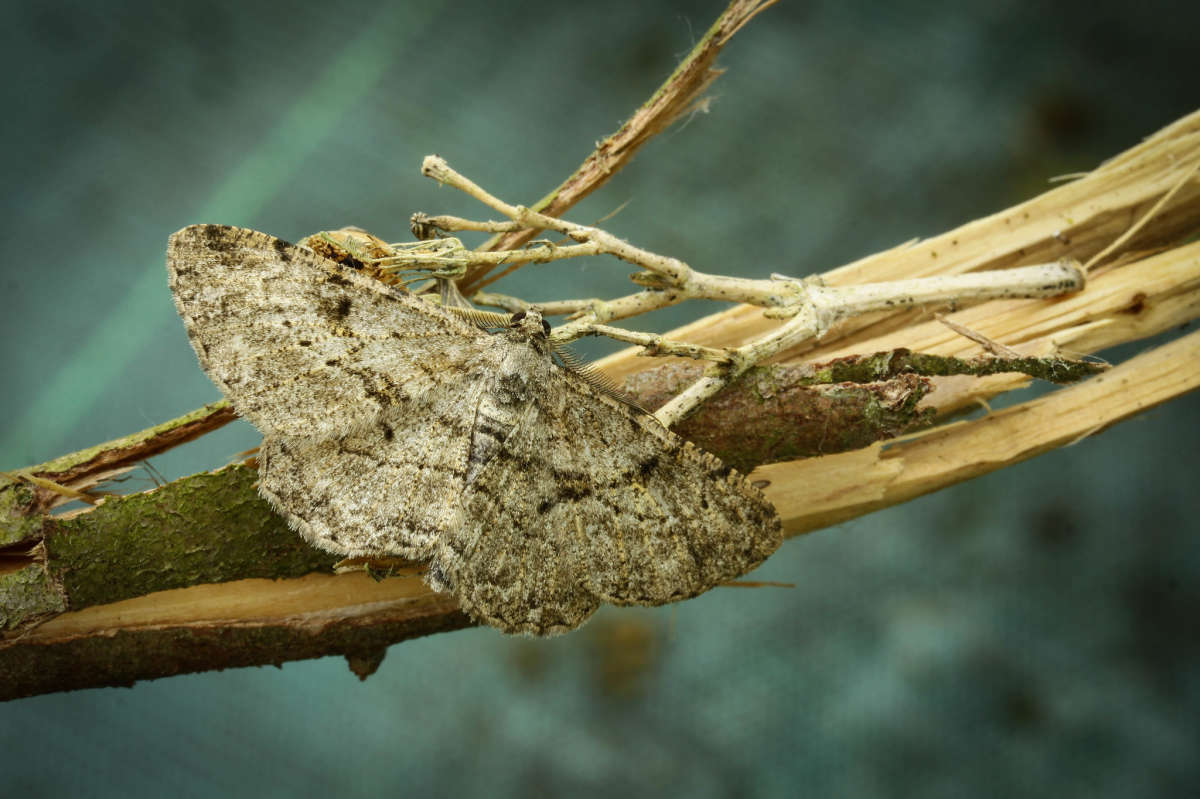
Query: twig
x: 678, y: 95
x: 1133, y: 229
x: 809, y: 308
x: 994, y: 347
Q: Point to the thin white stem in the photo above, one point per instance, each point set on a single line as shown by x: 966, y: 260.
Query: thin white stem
x: 803, y: 325
x: 1027, y: 282
x: 422, y: 223
x: 808, y: 308
x: 657, y: 345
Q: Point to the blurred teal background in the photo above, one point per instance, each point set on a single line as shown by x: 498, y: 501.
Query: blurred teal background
x: 1030, y: 633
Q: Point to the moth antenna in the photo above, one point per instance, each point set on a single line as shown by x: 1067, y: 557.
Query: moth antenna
x: 484, y: 319
x: 594, y: 377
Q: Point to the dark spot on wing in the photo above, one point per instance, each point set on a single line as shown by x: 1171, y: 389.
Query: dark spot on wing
x: 647, y: 466
x: 388, y: 433
x: 282, y: 249
x: 304, y: 342
x: 337, y: 279
x: 335, y: 309
x: 544, y: 506
x: 573, y: 486
x: 381, y: 388
x: 216, y: 237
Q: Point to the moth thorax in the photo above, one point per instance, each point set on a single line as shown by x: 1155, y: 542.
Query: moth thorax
x: 529, y: 326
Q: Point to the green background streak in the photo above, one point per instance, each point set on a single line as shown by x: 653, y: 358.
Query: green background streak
x: 357, y: 66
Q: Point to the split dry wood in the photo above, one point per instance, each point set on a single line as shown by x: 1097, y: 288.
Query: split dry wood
x: 249, y: 621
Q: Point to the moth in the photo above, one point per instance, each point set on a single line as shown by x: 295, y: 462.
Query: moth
x: 393, y: 427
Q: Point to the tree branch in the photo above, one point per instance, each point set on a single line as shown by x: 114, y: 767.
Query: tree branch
x: 75, y: 619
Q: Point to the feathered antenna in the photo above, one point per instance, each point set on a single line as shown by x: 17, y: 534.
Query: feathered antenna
x: 593, y: 376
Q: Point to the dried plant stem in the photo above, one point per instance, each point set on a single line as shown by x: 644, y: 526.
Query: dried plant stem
x: 678, y: 96
x: 450, y: 254
x: 1074, y: 220
x: 809, y: 308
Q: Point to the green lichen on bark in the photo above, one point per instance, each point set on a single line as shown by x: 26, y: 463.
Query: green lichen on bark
x: 883, y: 365
x: 1053, y: 370
x: 16, y: 525
x: 207, y: 528
x: 28, y: 595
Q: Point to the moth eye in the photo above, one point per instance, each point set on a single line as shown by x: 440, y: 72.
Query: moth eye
x: 517, y: 317
x: 545, y: 327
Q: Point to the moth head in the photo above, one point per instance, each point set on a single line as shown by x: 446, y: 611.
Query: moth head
x: 530, y: 326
